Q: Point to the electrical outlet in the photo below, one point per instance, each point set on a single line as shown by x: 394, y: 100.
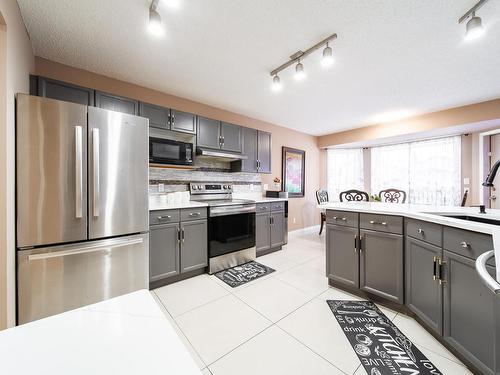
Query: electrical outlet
x: 294, y: 220
x: 161, y: 188
x: 265, y: 187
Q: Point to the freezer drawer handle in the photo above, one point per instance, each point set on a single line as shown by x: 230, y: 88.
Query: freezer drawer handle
x: 485, y: 277
x: 78, y: 172
x: 95, y: 150
x: 88, y: 249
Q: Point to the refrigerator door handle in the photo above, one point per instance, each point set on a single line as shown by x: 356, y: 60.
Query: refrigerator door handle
x: 78, y: 172
x: 95, y: 157
x: 83, y: 250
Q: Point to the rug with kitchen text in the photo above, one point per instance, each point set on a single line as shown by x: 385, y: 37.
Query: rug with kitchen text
x: 378, y: 343
x: 243, y: 273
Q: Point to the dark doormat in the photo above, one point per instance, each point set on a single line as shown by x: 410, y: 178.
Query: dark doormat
x: 243, y: 273
x: 379, y: 344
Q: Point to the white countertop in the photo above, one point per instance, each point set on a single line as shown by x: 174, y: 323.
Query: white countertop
x: 124, y: 335
x: 430, y: 213
x: 159, y: 202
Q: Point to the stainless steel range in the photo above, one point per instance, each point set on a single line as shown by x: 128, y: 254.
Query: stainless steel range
x: 231, y: 225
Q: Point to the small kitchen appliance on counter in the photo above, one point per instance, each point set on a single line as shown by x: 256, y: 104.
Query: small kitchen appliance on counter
x: 231, y: 225
x: 276, y: 194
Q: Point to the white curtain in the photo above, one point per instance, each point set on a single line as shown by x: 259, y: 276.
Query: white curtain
x: 429, y: 171
x: 344, y: 171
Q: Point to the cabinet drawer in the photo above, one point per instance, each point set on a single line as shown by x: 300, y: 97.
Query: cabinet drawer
x: 277, y: 206
x: 349, y: 219
x: 163, y: 217
x: 193, y: 213
x: 466, y: 243
x: 263, y: 207
x: 427, y: 232
x: 382, y: 223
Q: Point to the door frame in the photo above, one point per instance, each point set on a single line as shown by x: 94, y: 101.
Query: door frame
x: 3, y: 174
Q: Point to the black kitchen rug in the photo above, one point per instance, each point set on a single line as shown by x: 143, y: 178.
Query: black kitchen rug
x: 379, y: 344
x: 243, y: 273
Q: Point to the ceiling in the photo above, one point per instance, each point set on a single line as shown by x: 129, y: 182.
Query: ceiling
x: 394, y: 58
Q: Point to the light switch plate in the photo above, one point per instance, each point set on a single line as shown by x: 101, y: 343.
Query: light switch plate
x: 466, y: 181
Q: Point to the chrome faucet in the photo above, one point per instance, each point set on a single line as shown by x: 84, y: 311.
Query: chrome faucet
x: 491, y: 176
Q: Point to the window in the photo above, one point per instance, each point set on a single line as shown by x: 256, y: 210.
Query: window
x: 429, y: 171
x: 345, y: 171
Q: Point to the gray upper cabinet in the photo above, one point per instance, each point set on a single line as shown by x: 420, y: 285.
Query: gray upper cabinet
x: 424, y: 294
x: 207, y: 133
x: 116, y: 103
x: 182, y: 121
x: 53, y: 89
x: 193, y: 245
x: 264, y: 152
x: 262, y: 232
x: 277, y: 229
x: 381, y: 264
x: 230, y: 137
x: 342, y: 260
x: 468, y: 312
x: 163, y: 251
x: 249, y: 148
x: 158, y: 116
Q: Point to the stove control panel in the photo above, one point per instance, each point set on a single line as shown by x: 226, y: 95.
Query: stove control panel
x: 200, y: 188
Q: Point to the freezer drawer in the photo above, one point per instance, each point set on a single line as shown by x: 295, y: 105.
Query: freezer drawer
x: 55, y: 279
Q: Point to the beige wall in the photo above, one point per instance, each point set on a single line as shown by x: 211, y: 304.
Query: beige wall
x: 302, y: 211
x: 19, y: 63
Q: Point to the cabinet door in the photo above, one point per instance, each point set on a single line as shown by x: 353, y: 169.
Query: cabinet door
x: 264, y: 152
x: 277, y: 229
x: 116, y: 103
x: 182, y: 122
x: 158, y: 116
x: 468, y: 312
x: 208, y: 133
x: 249, y: 148
x: 163, y: 251
x: 231, y: 137
x: 194, y: 252
x: 262, y: 232
x: 424, y: 294
x: 342, y: 260
x: 53, y: 89
x: 381, y: 264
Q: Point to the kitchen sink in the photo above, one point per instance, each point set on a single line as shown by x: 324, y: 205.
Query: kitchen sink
x: 474, y: 218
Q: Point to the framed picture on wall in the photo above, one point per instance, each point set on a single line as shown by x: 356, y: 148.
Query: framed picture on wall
x: 293, y: 171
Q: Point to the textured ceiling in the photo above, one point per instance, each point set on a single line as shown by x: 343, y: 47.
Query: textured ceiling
x: 394, y: 57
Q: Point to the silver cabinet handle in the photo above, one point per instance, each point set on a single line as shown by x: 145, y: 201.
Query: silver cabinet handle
x: 420, y: 231
x: 263, y: 208
x: 178, y: 235
x: 195, y: 214
x: 485, y: 277
x: 164, y: 217
x: 464, y: 244
x: 95, y: 157
x: 378, y: 222
x: 87, y: 249
x: 78, y: 171
x: 341, y: 218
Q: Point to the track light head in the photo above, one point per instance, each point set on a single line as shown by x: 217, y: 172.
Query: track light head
x: 154, y: 25
x: 276, y: 85
x: 474, y: 28
x: 327, y: 59
x: 300, y: 74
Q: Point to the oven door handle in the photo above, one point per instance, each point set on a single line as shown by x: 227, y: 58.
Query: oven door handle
x: 232, y: 210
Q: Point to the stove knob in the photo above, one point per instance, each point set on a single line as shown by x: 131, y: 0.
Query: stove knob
x: 200, y: 187
x: 194, y: 187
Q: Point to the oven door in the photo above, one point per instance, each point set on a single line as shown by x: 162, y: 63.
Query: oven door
x: 230, y: 233
x: 167, y: 151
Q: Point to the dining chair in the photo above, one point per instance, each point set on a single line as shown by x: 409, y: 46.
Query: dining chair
x: 322, y: 197
x: 392, y: 196
x: 354, y: 195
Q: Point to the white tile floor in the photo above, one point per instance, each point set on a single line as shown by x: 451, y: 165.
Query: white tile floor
x: 278, y: 324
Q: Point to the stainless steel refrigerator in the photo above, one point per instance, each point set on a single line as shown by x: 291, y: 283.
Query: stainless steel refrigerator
x: 82, y: 205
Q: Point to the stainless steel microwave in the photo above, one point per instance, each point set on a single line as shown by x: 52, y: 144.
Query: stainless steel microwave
x: 169, y: 151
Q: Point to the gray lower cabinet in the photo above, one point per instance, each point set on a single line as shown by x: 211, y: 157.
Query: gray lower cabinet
x: 194, y: 253
x: 424, y: 294
x: 468, y: 312
x: 116, y: 103
x: 262, y: 232
x: 381, y: 264
x: 264, y: 152
x: 277, y: 229
x: 50, y: 88
x: 342, y: 260
x: 163, y: 251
